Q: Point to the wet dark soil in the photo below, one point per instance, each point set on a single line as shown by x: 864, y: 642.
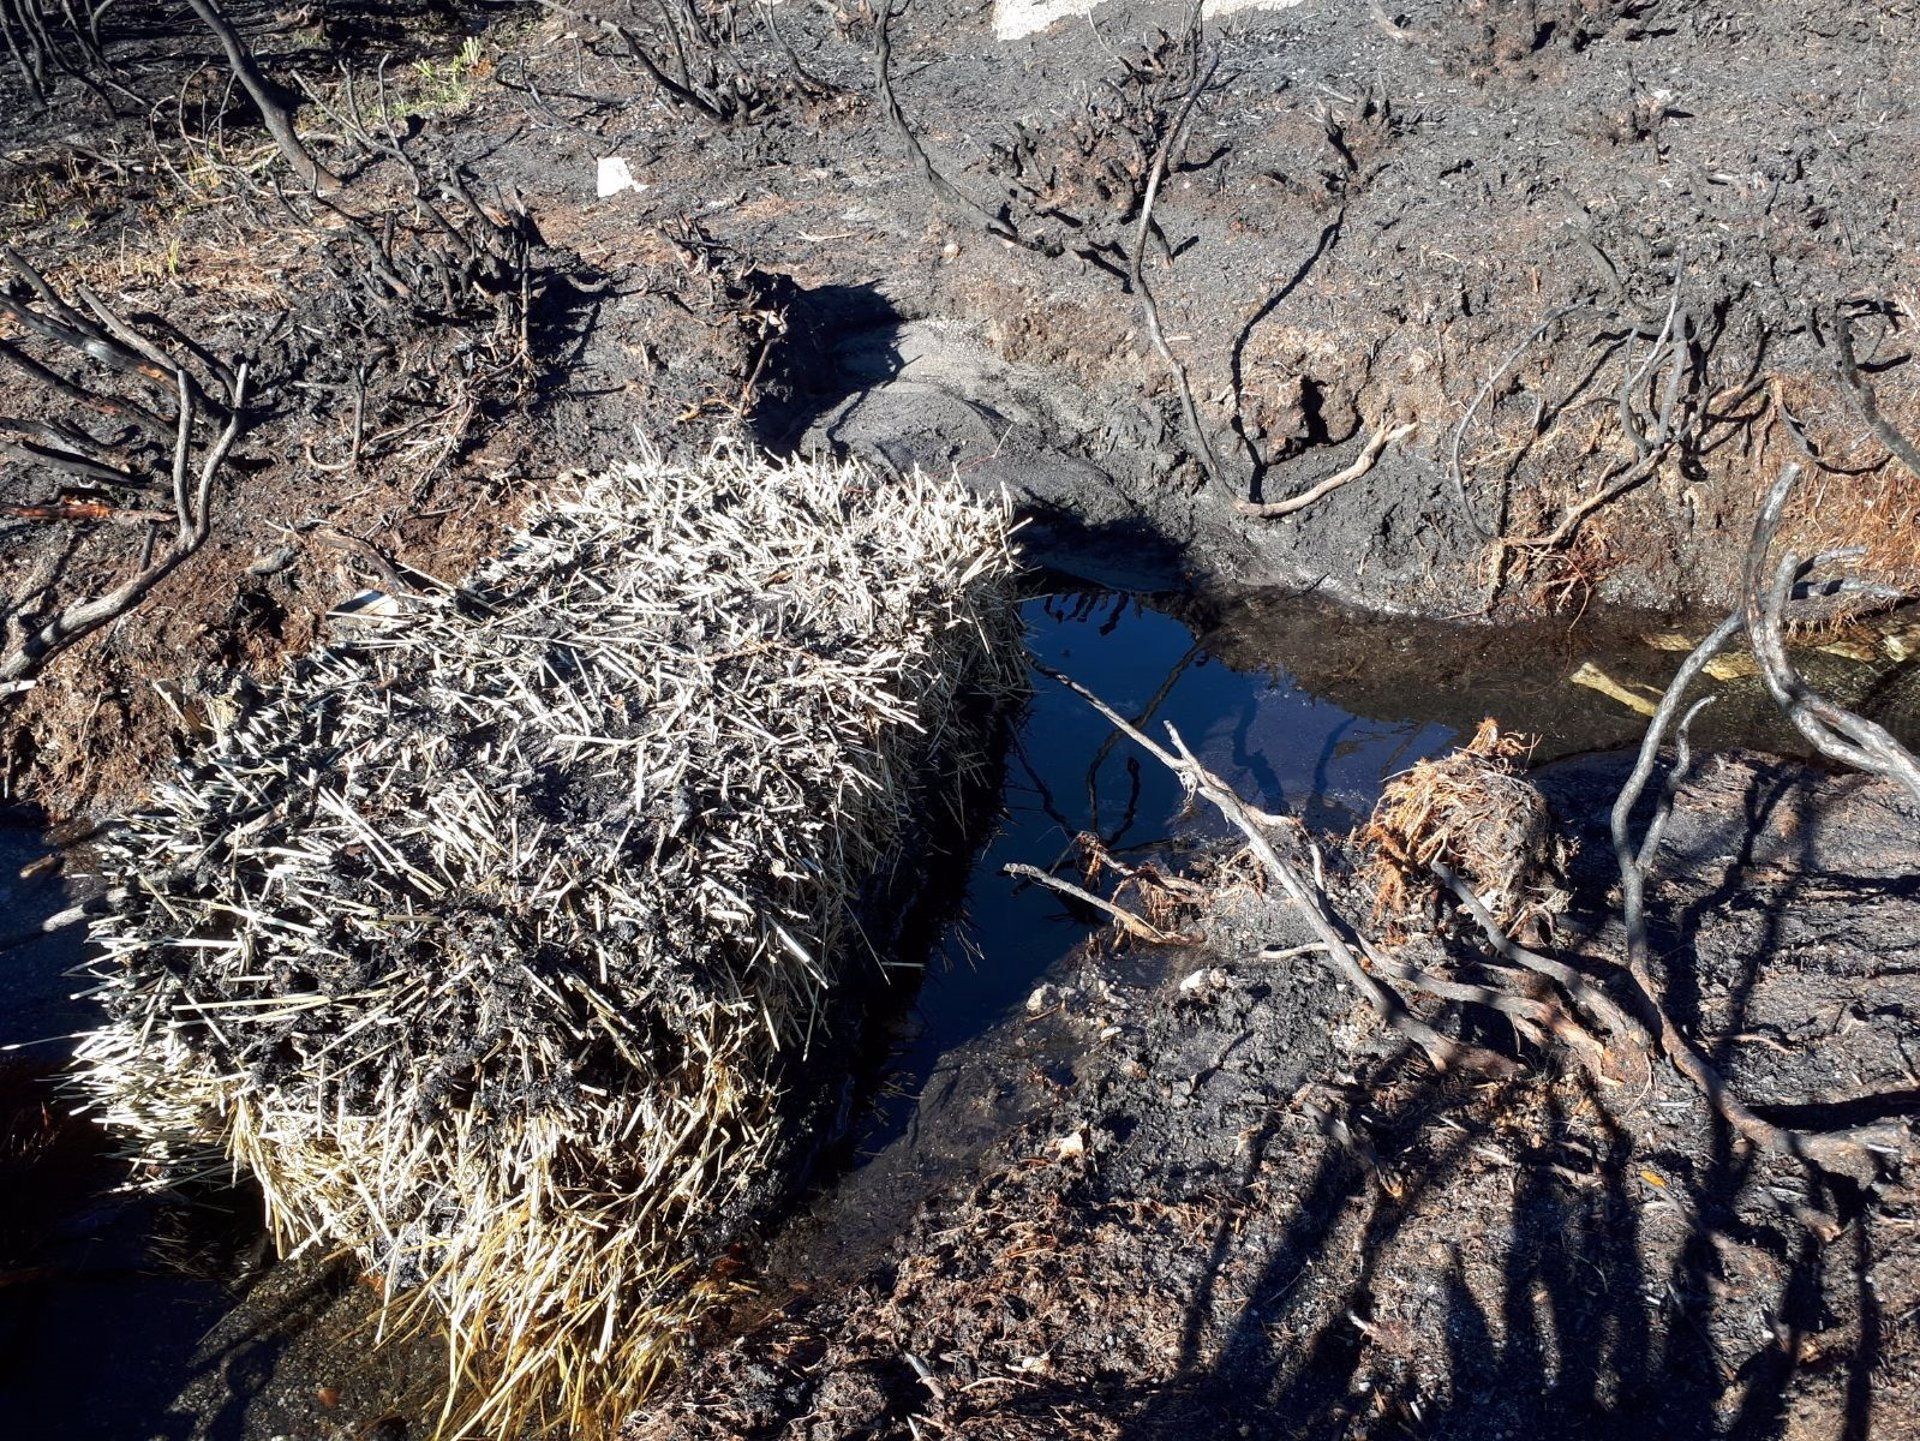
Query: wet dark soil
x: 1232, y: 1207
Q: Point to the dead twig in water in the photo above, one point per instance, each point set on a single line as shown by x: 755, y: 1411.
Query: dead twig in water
x: 1441, y: 1050
x: 1127, y: 920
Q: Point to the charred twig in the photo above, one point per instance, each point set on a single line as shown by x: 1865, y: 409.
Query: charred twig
x: 996, y: 225
x: 92, y: 471
x: 809, y: 82
x: 107, y: 339
x: 193, y: 515
x: 1381, y: 438
x: 1847, y: 368
x: 1512, y: 358
x: 1665, y: 431
x: 33, y: 46
x: 268, y: 99
x: 153, y: 424
x: 1441, y: 1050
x: 1834, y: 731
x: 712, y: 101
x: 1127, y: 920
x: 1170, y: 144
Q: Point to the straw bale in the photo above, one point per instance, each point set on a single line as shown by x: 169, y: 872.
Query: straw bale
x: 493, y: 940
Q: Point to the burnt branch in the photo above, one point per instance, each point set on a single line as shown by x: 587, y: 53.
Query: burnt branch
x: 1825, y: 726
x: 1204, y: 70
x: 268, y: 98
x: 1659, y: 415
x: 1847, y: 368
x: 1837, y: 733
x: 192, y: 488
x: 686, y: 58
x: 995, y: 224
x: 1443, y: 1051
x: 39, y: 44
x: 182, y: 454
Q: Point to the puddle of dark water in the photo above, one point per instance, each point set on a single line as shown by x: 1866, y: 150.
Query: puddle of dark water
x: 96, y: 1333
x: 1275, y: 742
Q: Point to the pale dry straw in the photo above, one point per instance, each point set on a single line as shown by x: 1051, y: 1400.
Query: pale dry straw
x: 492, y: 940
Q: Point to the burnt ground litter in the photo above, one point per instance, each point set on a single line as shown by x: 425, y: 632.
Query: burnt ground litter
x: 1236, y: 1208
x: 1574, y: 246
x: 1584, y: 246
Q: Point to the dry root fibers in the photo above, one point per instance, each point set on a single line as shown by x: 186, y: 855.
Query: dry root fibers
x: 1473, y: 812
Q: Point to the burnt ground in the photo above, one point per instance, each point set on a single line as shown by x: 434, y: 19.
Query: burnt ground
x: 1357, y: 230
x: 1361, y: 228
x: 1229, y: 1205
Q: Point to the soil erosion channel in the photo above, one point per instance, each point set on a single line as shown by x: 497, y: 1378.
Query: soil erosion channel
x: 198, y: 1340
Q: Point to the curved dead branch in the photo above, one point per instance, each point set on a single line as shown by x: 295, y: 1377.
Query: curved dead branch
x: 193, y: 513
x: 1369, y: 456
x: 1834, y: 731
x: 1847, y: 369
x: 106, y: 339
x: 266, y: 97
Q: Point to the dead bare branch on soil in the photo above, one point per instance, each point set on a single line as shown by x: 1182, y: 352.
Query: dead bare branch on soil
x: 1377, y: 443
x: 1133, y: 925
x: 1204, y: 68
x: 1441, y: 1050
x: 106, y: 340
x: 266, y: 97
x: 1457, y: 815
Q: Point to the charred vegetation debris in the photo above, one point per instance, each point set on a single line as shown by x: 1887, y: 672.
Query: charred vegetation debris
x: 1485, y: 310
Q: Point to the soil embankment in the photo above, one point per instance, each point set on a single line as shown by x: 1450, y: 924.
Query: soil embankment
x: 1600, y: 257
x: 1550, y: 290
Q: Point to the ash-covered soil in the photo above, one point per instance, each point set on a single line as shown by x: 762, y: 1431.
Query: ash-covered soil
x: 1234, y: 1207
x: 1599, y: 255
x: 1589, y: 247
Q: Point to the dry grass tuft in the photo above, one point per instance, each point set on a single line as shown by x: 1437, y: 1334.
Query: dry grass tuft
x: 1472, y: 812
x: 490, y: 941
x: 1879, y: 514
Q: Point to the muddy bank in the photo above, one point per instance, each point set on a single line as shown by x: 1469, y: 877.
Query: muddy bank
x: 1236, y: 1208
x: 1590, y: 253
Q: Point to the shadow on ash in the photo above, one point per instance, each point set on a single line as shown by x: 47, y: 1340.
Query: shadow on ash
x: 508, y: 943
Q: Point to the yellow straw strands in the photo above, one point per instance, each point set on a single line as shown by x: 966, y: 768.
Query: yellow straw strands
x: 492, y: 941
